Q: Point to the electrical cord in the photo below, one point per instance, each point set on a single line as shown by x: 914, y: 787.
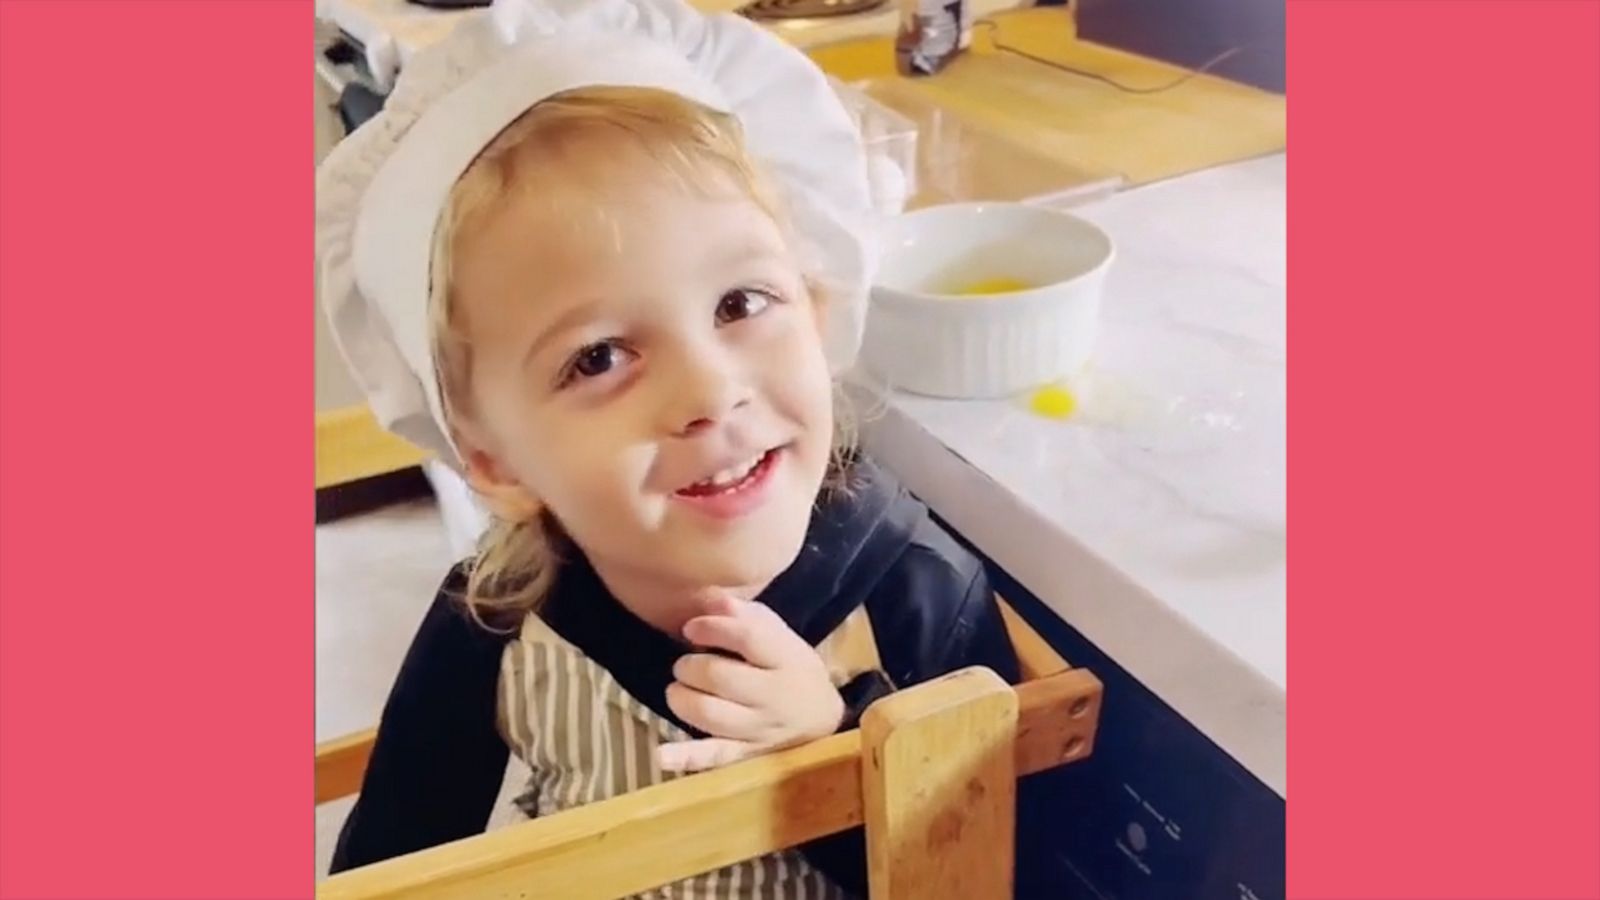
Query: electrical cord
x: 1205, y: 67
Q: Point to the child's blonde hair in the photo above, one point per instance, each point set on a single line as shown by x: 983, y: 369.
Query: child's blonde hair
x: 517, y: 561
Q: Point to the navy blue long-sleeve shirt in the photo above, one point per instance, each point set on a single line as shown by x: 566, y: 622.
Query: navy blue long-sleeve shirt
x: 439, y: 761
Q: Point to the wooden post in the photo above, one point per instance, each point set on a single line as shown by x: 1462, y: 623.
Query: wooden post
x: 666, y: 832
x: 342, y: 763
x: 939, y: 790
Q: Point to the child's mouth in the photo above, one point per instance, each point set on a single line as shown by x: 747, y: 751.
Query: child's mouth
x: 734, y: 490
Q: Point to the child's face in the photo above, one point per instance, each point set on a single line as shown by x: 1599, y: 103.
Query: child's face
x: 647, y: 364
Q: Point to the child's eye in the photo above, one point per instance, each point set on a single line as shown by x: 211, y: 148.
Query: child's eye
x: 593, y: 361
x: 742, y: 303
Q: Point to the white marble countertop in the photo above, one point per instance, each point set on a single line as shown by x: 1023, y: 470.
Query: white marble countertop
x: 1152, y: 520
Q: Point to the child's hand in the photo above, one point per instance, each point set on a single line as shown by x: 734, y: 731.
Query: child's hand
x: 776, y: 694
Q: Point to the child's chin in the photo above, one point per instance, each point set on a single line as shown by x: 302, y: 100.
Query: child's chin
x: 738, y: 563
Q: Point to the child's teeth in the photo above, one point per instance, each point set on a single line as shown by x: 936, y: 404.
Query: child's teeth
x: 731, y: 476
x: 735, y: 474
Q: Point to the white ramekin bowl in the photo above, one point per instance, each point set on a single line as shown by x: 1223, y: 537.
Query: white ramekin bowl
x: 924, y: 338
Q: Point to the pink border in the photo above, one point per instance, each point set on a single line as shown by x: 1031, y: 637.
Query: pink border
x: 1444, y: 450
x: 155, y: 554
x: 155, y: 510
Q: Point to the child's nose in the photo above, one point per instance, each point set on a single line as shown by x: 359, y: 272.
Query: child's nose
x: 707, y: 414
x: 707, y: 395
x: 696, y: 426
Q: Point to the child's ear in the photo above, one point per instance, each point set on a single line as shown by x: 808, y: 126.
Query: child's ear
x: 505, y: 496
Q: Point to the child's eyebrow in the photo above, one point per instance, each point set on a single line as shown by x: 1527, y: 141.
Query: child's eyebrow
x: 575, y: 316
x: 742, y: 250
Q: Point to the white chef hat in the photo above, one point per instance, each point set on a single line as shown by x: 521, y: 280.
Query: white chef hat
x: 382, y: 191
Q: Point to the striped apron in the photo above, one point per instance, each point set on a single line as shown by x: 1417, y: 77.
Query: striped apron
x: 586, y: 739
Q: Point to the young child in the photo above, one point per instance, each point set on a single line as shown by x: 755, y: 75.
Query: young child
x: 606, y: 256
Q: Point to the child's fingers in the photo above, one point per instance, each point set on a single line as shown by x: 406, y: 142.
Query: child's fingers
x: 734, y: 634
x: 731, y: 679
x: 723, y: 604
x: 754, y: 633
x: 698, y: 756
x: 714, y: 715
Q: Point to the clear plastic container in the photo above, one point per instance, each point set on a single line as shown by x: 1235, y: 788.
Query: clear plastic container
x: 890, y: 139
x: 956, y: 161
